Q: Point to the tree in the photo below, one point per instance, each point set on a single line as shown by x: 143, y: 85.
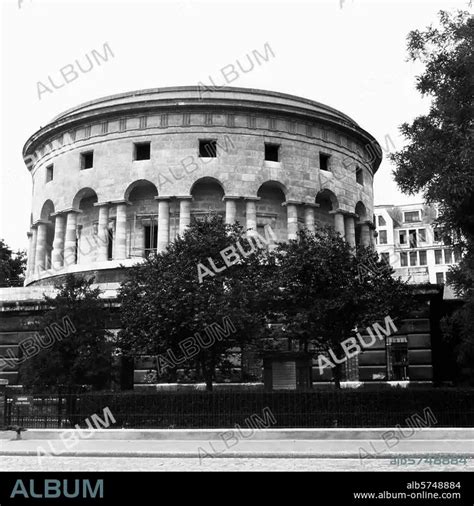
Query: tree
x: 327, y: 290
x: 169, y: 302
x: 12, y: 266
x: 438, y: 158
x: 82, y: 355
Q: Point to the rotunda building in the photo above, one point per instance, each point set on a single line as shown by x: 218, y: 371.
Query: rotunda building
x: 120, y: 177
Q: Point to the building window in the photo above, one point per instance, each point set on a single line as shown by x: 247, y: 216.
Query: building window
x: 382, y: 222
x: 49, y: 173
x: 142, y: 151
x: 385, y: 257
x: 413, y: 258
x: 448, y: 256
x: 151, y: 239
x: 438, y: 256
x: 382, y: 237
x: 208, y: 148
x: 440, y: 278
x: 110, y: 244
x: 272, y: 152
x: 412, y: 238
x: 404, y: 259
x: 412, y: 216
x: 397, y: 358
x: 324, y: 161
x: 359, y: 176
x: 422, y: 257
x: 402, y: 236
x: 87, y: 160
x: 422, y: 234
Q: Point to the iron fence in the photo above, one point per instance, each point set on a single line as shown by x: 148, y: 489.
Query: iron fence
x: 451, y: 407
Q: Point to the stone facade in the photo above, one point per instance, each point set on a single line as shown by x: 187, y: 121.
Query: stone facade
x: 123, y: 175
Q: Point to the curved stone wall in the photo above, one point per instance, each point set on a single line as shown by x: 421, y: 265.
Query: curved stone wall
x: 121, y: 176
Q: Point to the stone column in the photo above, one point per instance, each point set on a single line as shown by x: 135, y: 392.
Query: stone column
x: 364, y: 233
x: 120, y: 230
x: 57, y: 259
x: 309, y: 216
x: 339, y: 222
x: 292, y: 219
x: 251, y: 212
x: 230, y: 209
x: 40, y: 254
x: 184, y: 213
x: 103, y: 232
x: 163, y: 223
x: 32, y: 254
x: 349, y: 223
x: 372, y: 236
x: 28, y: 258
x: 70, y: 253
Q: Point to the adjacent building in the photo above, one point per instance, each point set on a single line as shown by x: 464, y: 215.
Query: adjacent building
x: 408, y: 240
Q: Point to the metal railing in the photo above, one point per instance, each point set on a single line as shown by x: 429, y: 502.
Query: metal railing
x: 386, y: 408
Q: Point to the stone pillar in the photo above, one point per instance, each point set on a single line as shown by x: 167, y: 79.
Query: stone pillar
x: 3, y: 402
x: 251, y: 212
x: 120, y: 230
x: 372, y: 236
x: 57, y: 259
x: 230, y: 209
x: 28, y: 258
x: 339, y: 222
x: 163, y: 223
x: 32, y: 254
x: 292, y: 219
x: 40, y: 254
x: 184, y: 213
x: 350, y: 229
x: 309, y: 216
x: 103, y: 232
x: 70, y: 253
x: 364, y: 234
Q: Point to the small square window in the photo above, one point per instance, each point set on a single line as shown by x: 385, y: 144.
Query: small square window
x: 87, y: 160
x: 49, y: 173
x: 324, y: 161
x: 272, y: 152
x: 359, y: 176
x: 142, y: 151
x: 208, y: 148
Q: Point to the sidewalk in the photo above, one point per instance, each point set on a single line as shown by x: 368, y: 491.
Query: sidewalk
x: 264, y: 443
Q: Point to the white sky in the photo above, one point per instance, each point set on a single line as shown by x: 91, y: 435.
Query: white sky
x: 351, y: 57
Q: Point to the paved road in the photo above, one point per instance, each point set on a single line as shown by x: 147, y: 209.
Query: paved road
x: 15, y: 463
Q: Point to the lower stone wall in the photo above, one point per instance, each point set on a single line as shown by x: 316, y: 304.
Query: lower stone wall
x: 20, y: 319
